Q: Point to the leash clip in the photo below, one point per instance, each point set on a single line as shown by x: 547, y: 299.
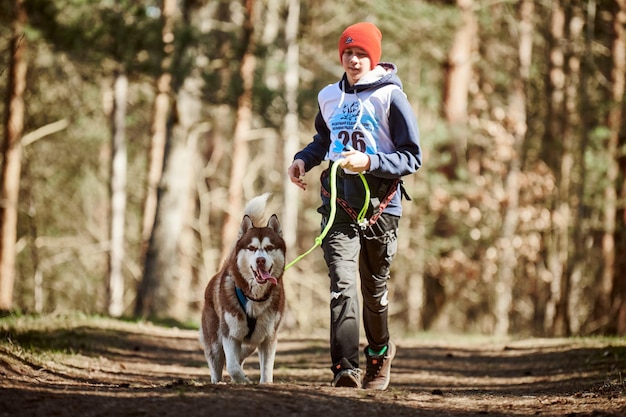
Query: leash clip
x: 363, y: 223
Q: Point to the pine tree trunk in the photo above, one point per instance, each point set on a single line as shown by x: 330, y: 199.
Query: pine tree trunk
x: 115, y: 287
x: 160, y: 114
x: 458, y: 78
x: 240, y: 157
x: 459, y: 66
x: 572, y: 170
x: 165, y: 287
x: 12, y: 154
x: 577, y: 101
x: 557, y: 128
x: 290, y: 127
x: 415, y: 288
x: 517, y: 129
x: 613, y: 288
x: 145, y: 299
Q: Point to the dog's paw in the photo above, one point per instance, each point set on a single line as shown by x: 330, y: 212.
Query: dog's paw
x: 266, y: 378
x: 218, y: 382
x: 240, y: 378
x: 244, y: 380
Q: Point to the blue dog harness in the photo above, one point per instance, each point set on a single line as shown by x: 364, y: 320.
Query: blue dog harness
x: 243, y: 301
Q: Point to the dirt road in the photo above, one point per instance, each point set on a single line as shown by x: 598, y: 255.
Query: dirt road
x: 103, y: 367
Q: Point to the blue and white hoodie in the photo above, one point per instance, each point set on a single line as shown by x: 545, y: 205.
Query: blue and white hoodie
x: 373, y: 116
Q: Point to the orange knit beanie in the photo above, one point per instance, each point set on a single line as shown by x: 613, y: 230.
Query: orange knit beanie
x: 363, y: 35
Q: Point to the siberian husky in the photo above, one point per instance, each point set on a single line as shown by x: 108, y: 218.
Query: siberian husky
x: 244, y: 301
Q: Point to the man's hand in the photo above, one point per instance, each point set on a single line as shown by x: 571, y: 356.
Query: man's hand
x: 355, y: 161
x: 296, y: 173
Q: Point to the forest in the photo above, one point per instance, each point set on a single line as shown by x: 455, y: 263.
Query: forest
x: 135, y: 131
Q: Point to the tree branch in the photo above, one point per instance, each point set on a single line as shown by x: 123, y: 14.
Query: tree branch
x: 44, y: 131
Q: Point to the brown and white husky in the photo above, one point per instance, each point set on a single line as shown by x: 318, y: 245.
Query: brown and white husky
x: 244, y: 301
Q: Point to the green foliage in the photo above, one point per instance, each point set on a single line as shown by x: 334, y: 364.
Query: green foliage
x: 93, y: 32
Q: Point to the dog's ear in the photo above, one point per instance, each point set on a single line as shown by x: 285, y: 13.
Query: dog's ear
x: 246, y: 224
x: 274, y: 224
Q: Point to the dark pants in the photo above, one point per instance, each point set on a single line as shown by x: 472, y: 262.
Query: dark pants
x: 349, y: 252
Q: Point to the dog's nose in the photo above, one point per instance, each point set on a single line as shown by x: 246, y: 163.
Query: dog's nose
x: 260, y: 262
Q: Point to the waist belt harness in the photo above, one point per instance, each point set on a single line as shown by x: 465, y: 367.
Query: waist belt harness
x: 377, y: 203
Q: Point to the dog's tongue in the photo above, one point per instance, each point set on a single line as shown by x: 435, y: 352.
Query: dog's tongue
x: 267, y: 277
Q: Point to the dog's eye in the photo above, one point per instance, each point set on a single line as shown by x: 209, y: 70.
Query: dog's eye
x: 252, y: 248
x: 269, y: 248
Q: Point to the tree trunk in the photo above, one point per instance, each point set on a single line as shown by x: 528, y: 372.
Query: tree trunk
x: 517, y: 129
x: 243, y: 122
x: 164, y: 289
x: 119, y: 159
x: 415, y: 289
x: 557, y: 128
x: 291, y: 140
x: 458, y: 78
x: 12, y: 154
x: 146, y: 303
x: 290, y: 127
x: 565, y: 219
x: 578, y: 119
x: 459, y: 66
x: 27, y: 140
x: 160, y: 114
x: 166, y: 284
x: 612, y: 288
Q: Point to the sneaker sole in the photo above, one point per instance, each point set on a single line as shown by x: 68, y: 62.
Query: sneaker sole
x: 346, y: 381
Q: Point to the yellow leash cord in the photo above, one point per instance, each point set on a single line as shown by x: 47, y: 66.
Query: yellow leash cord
x: 333, y: 209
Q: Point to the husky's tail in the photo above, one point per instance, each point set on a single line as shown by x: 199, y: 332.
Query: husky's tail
x: 255, y: 209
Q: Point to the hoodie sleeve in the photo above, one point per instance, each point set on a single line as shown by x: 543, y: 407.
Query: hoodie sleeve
x: 404, y: 131
x: 313, y: 154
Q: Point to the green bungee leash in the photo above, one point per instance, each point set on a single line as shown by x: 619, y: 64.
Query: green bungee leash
x: 333, y: 209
